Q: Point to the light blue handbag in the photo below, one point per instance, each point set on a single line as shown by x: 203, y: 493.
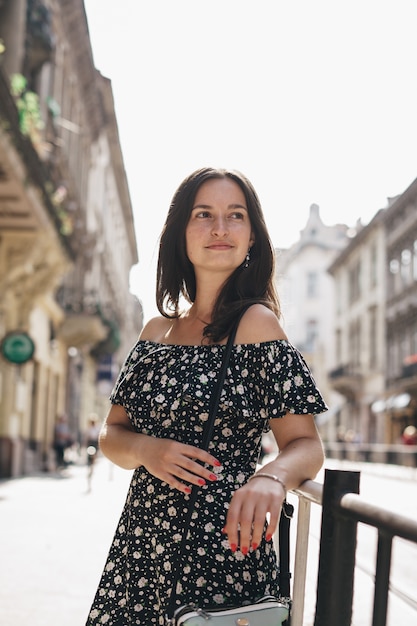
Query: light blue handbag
x: 268, y: 611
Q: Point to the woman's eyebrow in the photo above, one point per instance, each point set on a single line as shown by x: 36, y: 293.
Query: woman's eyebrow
x: 230, y: 206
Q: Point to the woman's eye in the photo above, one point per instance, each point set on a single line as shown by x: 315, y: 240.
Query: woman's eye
x: 237, y: 215
x: 203, y: 214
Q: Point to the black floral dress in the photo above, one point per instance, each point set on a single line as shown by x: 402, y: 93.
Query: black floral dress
x: 165, y: 390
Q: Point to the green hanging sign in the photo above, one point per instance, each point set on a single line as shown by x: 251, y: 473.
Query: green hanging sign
x: 17, y: 347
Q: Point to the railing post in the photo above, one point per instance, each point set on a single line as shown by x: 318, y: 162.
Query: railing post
x: 337, y: 552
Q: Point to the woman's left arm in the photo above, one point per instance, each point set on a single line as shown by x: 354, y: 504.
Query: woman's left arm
x: 300, y: 457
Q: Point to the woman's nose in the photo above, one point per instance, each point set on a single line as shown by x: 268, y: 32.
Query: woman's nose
x: 220, y: 227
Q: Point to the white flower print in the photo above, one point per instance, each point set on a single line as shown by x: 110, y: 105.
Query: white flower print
x: 298, y: 380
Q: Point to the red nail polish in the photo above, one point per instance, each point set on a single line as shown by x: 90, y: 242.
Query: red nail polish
x: 201, y: 481
x: 187, y: 489
x: 233, y: 547
x: 268, y: 537
x: 217, y: 463
x: 244, y: 550
x: 254, y: 546
x: 213, y: 477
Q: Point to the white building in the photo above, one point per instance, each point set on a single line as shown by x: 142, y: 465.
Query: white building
x: 307, y: 300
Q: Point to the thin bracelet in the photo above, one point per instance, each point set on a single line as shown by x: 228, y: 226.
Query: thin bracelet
x: 272, y: 477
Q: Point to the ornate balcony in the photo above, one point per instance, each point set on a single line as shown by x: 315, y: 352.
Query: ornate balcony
x: 347, y: 380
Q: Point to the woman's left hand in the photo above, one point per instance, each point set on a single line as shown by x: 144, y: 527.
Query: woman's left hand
x: 248, y: 512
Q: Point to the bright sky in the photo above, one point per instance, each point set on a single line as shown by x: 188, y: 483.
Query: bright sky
x: 314, y: 100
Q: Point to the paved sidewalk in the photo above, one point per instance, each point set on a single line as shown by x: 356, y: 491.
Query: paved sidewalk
x: 55, y: 538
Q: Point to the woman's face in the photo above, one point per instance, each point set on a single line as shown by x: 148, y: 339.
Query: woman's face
x: 219, y: 233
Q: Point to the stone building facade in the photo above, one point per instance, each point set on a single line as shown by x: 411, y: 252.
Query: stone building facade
x: 401, y: 313
x: 307, y: 300
x: 67, y: 237
x: 359, y: 329
x: 376, y: 324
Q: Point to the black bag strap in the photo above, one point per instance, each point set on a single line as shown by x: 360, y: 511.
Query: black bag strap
x: 286, y: 511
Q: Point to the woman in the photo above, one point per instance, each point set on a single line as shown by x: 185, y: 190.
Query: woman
x: 215, y: 253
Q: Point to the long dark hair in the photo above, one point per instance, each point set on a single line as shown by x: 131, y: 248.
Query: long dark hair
x: 175, y: 273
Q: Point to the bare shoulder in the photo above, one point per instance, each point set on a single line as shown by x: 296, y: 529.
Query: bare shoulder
x: 259, y: 324
x: 155, y: 329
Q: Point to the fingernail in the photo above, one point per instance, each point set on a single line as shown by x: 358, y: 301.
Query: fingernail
x: 268, y: 537
x: 217, y: 463
x: 224, y: 531
x: 233, y: 547
x: 254, y: 546
x: 187, y: 489
x: 213, y: 477
x: 244, y: 550
x: 201, y: 481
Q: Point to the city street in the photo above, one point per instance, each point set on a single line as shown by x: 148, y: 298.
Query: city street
x: 56, y: 533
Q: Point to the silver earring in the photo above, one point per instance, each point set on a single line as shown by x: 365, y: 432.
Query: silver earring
x: 247, y: 260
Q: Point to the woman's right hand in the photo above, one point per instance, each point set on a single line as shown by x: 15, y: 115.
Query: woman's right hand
x: 171, y: 461
x: 177, y: 463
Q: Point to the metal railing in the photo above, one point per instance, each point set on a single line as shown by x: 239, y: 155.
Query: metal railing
x: 342, y: 510
x: 394, y: 454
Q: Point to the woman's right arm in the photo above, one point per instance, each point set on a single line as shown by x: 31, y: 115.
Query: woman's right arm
x: 165, y: 459
x: 118, y: 441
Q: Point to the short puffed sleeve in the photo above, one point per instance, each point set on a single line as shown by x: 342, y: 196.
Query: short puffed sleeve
x: 282, y: 381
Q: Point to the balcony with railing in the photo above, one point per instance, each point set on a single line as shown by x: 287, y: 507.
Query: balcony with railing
x: 346, y: 379
x: 88, y: 322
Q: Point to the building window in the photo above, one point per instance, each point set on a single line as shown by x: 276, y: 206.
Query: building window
x: 338, y: 346
x: 393, y: 276
x: 373, y: 338
x: 406, y: 266
x: 355, y: 282
x: 311, y: 334
x: 312, y: 285
x: 374, y: 266
x: 355, y: 332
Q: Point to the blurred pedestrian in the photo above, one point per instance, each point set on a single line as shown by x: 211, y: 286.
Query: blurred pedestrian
x: 62, y: 440
x: 409, y: 436
x: 92, y: 445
